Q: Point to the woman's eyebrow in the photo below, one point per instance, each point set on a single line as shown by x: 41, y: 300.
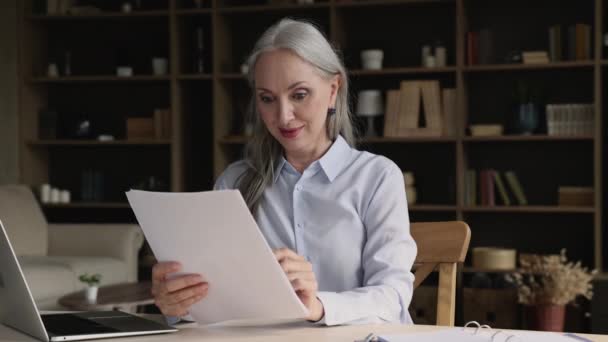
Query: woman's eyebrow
x: 289, y: 88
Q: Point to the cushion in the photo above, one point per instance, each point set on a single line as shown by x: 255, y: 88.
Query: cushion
x: 23, y: 220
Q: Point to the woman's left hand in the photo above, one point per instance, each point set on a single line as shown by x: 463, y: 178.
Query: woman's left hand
x: 300, y: 274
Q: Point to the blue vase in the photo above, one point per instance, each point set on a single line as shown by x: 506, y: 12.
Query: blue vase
x: 527, y: 117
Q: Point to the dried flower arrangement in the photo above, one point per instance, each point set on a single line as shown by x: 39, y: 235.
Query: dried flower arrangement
x: 551, y: 279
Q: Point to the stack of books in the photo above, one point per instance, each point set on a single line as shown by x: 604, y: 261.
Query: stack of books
x: 535, y: 57
x: 570, y: 119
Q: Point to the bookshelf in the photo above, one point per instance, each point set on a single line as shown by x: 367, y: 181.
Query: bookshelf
x: 207, y: 108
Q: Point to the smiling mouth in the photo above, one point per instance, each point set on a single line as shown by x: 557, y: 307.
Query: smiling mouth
x: 290, y: 133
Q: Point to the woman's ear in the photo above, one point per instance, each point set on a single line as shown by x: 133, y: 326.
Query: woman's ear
x: 336, y: 82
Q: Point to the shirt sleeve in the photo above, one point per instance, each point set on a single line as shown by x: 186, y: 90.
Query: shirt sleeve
x: 387, y: 258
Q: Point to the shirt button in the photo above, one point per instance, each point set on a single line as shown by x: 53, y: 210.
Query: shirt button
x: 299, y: 188
x: 299, y: 225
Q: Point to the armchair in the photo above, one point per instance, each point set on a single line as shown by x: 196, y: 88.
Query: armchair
x: 52, y: 256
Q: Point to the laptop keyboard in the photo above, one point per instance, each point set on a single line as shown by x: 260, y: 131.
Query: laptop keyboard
x: 68, y: 324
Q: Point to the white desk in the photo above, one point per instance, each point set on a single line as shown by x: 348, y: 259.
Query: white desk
x: 294, y: 332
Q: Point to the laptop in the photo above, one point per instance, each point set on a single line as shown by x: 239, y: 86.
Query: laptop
x: 18, y: 310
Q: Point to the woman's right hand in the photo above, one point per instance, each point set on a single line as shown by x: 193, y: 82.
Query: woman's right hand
x: 175, y: 296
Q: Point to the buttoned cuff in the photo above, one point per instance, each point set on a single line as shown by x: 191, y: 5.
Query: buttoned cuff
x: 329, y: 301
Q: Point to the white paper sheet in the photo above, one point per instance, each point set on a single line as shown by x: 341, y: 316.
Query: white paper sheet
x: 213, y: 233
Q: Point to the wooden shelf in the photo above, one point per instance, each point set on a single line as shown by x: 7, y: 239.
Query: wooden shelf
x: 88, y: 205
x: 432, y: 207
x: 232, y: 76
x: 366, y: 3
x: 194, y: 11
x: 506, y: 67
x: 529, y: 209
x: 195, y: 77
x: 403, y: 71
x: 272, y: 8
x: 233, y: 139
x: 469, y: 269
x: 516, y: 138
x: 99, y: 78
x: 151, y: 142
x: 389, y: 140
x: 101, y: 15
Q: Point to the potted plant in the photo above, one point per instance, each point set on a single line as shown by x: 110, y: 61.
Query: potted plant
x: 546, y: 284
x: 92, y: 282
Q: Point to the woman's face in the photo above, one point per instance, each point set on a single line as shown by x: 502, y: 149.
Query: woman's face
x: 292, y: 99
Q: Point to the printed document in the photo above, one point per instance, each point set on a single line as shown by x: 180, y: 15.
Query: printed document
x: 212, y: 233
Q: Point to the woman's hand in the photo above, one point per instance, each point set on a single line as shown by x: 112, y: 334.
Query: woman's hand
x: 300, y: 274
x: 175, y: 297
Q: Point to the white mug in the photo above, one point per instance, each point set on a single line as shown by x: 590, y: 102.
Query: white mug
x: 160, y: 66
x: 372, y: 59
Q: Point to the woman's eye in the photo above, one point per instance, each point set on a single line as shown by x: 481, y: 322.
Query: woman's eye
x: 265, y: 99
x: 299, y: 95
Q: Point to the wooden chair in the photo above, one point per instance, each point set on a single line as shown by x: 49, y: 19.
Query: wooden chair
x: 442, y: 245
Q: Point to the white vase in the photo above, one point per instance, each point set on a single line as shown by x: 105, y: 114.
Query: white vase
x: 91, y: 294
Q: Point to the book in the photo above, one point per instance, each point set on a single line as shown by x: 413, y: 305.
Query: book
x: 571, y: 43
x: 449, y: 109
x: 486, y: 47
x: 516, y: 188
x: 535, y: 57
x: 409, y: 106
x: 502, y: 190
x: 391, y: 115
x: 472, y: 48
x: 431, y: 100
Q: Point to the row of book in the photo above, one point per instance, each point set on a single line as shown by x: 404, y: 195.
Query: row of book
x: 420, y: 108
x: 566, y: 42
x: 571, y: 43
x: 488, y: 187
x: 570, y: 119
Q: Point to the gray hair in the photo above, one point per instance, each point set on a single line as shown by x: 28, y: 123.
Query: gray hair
x: 263, y: 152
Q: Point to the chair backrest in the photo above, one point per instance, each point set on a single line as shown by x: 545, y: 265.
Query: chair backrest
x: 441, y: 245
x: 23, y: 220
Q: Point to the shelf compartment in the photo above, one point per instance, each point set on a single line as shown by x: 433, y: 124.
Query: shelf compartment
x: 530, y: 209
x: 194, y: 11
x: 510, y: 67
x: 367, y: 3
x: 402, y: 71
x: 101, y: 15
x: 272, y: 8
x: 98, y: 78
x: 188, y: 77
x: 235, y: 139
x: 96, y: 143
x: 524, y: 138
x: 431, y: 207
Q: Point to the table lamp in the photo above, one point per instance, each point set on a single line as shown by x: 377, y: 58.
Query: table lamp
x: 370, y: 105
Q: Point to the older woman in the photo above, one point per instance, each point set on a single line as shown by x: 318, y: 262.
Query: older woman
x: 336, y: 217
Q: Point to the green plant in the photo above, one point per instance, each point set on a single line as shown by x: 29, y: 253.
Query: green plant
x: 551, y: 279
x: 91, y: 280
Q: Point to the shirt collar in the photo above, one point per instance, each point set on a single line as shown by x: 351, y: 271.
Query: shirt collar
x: 332, y: 162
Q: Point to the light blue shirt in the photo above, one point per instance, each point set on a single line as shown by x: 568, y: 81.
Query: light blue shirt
x: 347, y: 215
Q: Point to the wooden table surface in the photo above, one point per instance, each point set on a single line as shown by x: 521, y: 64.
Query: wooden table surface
x: 291, y: 332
